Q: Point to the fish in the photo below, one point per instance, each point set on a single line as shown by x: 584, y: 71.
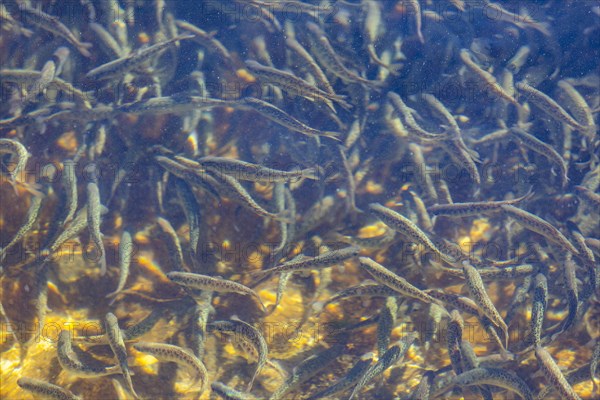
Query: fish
x: 306, y: 369
x: 125, y: 64
x: 246, y: 171
x: 548, y: 106
x: 20, y: 154
x: 407, y: 113
x: 70, y: 362
x: 125, y: 253
x: 540, y: 226
x: 228, y: 393
x: 93, y: 220
x: 51, y: 69
x: 392, y: 355
x: 553, y: 374
x: 414, y: 9
x: 311, y: 65
x: 117, y: 345
x: 292, y: 84
x: 46, y: 389
x: 324, y: 260
x: 69, y: 181
x: 538, y: 308
x: 454, y: 335
x: 520, y: 58
x: 172, y: 242
x: 207, y: 41
x: 175, y: 104
x: 363, y: 290
x: 536, y: 145
x: 235, y: 191
x: 494, y: 377
x: 171, y: 353
x: 31, y: 217
x: 213, y: 284
x: 579, y: 107
x: 326, y: 55
x: 246, y: 332
x: 481, y: 298
x: 282, y: 118
x: 485, y: 79
x: 473, y: 208
x: 407, y: 228
x: 395, y: 282
x: 386, y: 323
x: 53, y: 25
x: 348, y: 380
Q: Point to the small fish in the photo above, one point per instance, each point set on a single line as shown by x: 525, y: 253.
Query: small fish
x: 364, y: 290
x: 207, y: 41
x: 481, y: 298
x: 453, y: 339
x: 51, y: 24
x: 306, y: 369
x: 496, y: 274
x: 579, y: 107
x: 553, y: 374
x: 470, y: 361
x: 474, y: 208
x: 214, y: 284
x: 69, y: 181
x: 540, y: 226
x: 46, y: 389
x: 407, y: 113
x: 247, y: 332
x: 117, y: 345
x: 517, y: 61
x: 107, y: 41
x: 292, y: 84
x: 486, y: 80
x: 172, y: 242
x: 32, y: 215
x: 51, y: 69
x: 311, y: 64
x: 125, y: 253
x: 71, y: 363
x: 176, y: 104
x: 122, y: 65
x: 94, y: 215
x: 228, y: 393
x: 494, y: 377
x: 405, y: 227
x: 282, y: 118
x: 191, y: 209
x: 544, y: 149
x: 587, y: 195
x: 325, y: 53
x: 549, y: 106
x: 385, y: 324
x: 324, y: 260
x: 178, y: 355
x: 414, y: 8
x: 236, y: 192
x: 20, y: 154
x: 423, y: 391
x: 594, y: 364
x: 348, y: 380
x: 246, y: 171
x: 394, y: 354
x: 375, y: 242
x: 538, y: 308
x: 393, y: 281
